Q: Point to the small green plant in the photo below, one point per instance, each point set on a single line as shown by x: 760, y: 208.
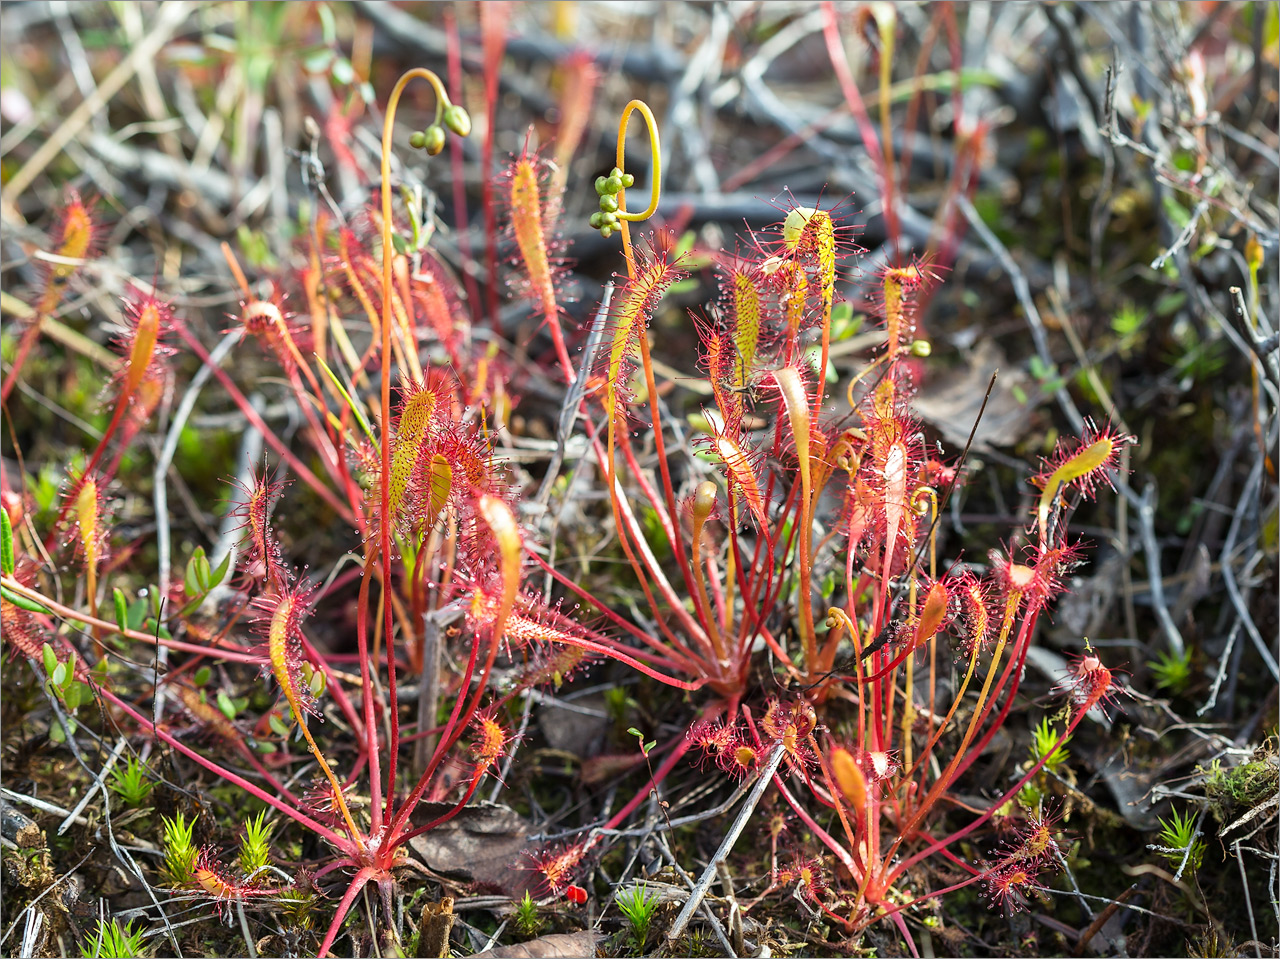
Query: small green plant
x: 645, y: 747
x: 1172, y: 671
x: 179, y: 851
x: 62, y: 682
x: 110, y: 941
x: 528, y: 922
x: 1045, y: 748
x: 1177, y: 836
x: 255, y: 846
x: 1043, y: 738
x: 639, y: 906
x: 131, y: 783
x: 200, y: 578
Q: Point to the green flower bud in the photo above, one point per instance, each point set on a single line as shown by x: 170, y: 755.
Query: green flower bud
x: 596, y: 221
x: 606, y: 231
x: 602, y: 185
x: 616, y: 171
x: 457, y: 119
x: 613, y: 184
x: 609, y: 203
x: 433, y: 139
x: 921, y: 348
x: 628, y: 181
x: 417, y: 139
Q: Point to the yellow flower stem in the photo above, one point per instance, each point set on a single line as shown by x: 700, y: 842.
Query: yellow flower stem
x: 843, y: 619
x: 384, y: 533
x: 627, y: 217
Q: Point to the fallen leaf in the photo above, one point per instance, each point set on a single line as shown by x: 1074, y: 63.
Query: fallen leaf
x: 572, y: 945
x: 951, y: 401
x: 481, y: 844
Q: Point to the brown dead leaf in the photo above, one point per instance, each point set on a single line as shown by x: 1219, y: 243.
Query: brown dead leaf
x: 482, y: 844
x: 573, y: 945
x: 951, y: 402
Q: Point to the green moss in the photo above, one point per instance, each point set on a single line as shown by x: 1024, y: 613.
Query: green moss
x: 1233, y: 790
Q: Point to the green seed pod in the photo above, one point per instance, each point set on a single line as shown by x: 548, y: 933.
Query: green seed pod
x: 609, y: 203
x: 921, y: 348
x: 417, y: 139
x: 628, y: 181
x: 433, y: 139
x: 457, y: 119
x: 613, y: 184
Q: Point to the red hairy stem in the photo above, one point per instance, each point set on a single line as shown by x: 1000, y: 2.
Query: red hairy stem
x: 502, y: 524
x: 822, y: 835
x: 339, y: 841
x: 29, y: 337
x: 995, y: 807
x: 372, y: 746
x: 343, y: 510
x: 65, y: 612
x: 685, y: 660
x: 450, y: 733
x: 691, y: 625
x: 360, y: 880
x: 664, y: 769
x: 400, y: 840
x: 1020, y: 657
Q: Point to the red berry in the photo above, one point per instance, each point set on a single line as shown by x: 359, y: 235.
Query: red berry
x: 576, y: 895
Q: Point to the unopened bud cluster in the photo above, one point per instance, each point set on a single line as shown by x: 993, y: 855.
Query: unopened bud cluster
x: 452, y: 117
x: 608, y: 188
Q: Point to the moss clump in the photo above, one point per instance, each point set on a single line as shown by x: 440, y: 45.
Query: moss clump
x: 1245, y: 786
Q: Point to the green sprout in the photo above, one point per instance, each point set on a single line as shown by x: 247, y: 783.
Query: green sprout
x: 1172, y: 671
x: 645, y: 747
x: 112, y: 942
x: 255, y: 846
x: 1042, y: 739
x: 61, y: 682
x: 639, y: 906
x: 179, y: 851
x: 528, y: 922
x: 1179, y: 841
x: 131, y: 783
